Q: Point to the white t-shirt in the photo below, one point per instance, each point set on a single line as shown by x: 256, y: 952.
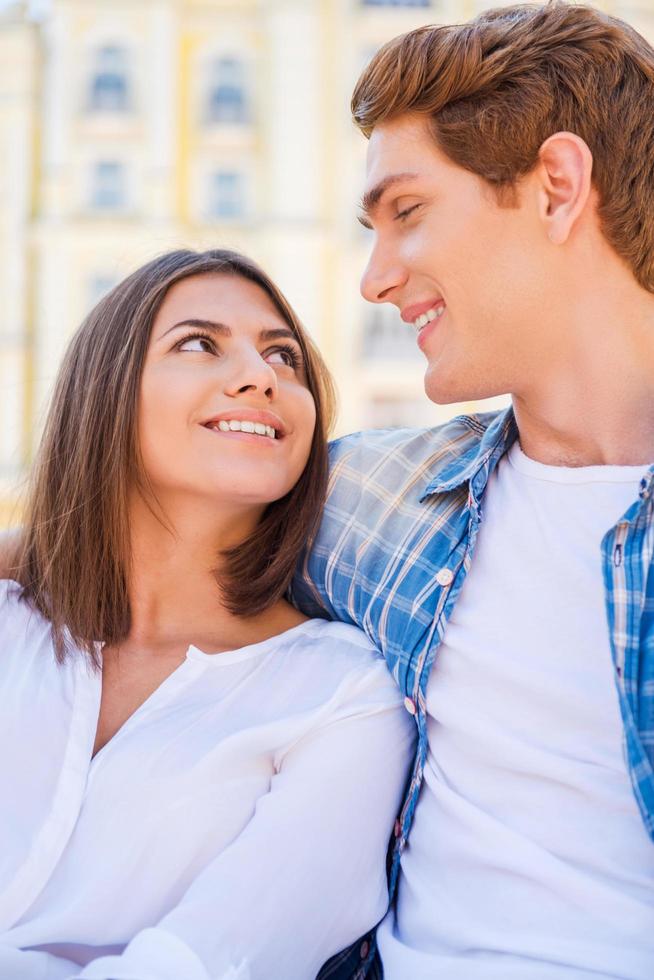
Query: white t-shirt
x: 235, y: 828
x: 528, y: 858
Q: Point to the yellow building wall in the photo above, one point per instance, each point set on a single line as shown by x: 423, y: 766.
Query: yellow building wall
x: 301, y: 155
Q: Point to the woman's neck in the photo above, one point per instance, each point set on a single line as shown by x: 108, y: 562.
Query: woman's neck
x: 175, y: 571
x: 174, y: 593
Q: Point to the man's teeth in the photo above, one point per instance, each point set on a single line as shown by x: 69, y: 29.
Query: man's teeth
x: 425, y: 318
x: 234, y: 425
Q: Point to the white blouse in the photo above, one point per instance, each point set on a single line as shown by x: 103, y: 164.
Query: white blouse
x: 235, y: 827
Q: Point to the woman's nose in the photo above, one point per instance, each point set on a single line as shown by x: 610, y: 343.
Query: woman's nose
x: 251, y: 372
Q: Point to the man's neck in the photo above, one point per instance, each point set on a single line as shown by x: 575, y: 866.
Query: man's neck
x: 587, y: 429
x: 595, y: 405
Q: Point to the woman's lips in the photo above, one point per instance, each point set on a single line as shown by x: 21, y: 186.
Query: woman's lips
x: 251, y: 437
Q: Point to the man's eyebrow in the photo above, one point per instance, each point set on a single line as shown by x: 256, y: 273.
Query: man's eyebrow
x: 371, y: 198
x: 267, y: 334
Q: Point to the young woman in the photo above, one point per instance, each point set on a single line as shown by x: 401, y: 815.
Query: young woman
x: 198, y: 782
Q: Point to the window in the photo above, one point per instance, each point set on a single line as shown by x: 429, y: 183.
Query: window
x: 108, y: 186
x: 109, y: 90
x: 227, y: 98
x: 396, y: 3
x: 227, y: 195
x: 387, y: 337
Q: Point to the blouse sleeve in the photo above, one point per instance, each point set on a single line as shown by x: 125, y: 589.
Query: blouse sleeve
x: 33, y: 964
x: 307, y: 875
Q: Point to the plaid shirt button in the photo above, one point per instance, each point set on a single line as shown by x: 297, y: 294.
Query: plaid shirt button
x: 365, y: 949
x: 410, y: 705
x: 445, y: 576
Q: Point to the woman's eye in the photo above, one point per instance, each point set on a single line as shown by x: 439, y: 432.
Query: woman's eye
x: 284, y: 355
x: 197, y: 344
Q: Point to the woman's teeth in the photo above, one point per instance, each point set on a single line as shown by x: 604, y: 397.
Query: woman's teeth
x: 425, y: 318
x: 234, y: 425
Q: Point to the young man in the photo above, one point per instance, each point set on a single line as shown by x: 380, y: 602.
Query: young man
x: 502, y: 562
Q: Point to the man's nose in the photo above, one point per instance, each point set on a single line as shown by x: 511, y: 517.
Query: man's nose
x: 382, y: 276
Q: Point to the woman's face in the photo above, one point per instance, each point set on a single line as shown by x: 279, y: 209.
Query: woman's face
x: 225, y: 412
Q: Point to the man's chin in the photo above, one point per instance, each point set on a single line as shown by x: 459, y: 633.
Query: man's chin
x: 452, y: 388
x: 443, y: 390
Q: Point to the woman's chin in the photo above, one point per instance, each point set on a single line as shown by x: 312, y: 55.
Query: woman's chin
x: 249, y: 492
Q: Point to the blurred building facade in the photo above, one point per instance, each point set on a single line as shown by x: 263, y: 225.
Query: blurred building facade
x: 128, y: 127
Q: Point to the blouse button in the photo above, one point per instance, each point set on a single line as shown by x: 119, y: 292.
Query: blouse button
x: 445, y: 576
x: 365, y: 949
x: 398, y: 828
x: 410, y: 705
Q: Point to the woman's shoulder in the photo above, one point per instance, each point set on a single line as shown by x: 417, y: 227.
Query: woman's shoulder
x: 330, y: 638
x: 13, y: 608
x: 10, y: 590
x: 21, y: 625
x: 337, y: 657
x: 329, y: 673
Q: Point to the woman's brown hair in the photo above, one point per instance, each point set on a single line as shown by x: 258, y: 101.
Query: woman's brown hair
x: 74, y: 556
x: 496, y: 88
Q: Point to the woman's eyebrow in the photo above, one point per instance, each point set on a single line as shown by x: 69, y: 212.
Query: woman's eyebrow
x: 220, y: 328
x: 277, y: 333
x: 266, y: 335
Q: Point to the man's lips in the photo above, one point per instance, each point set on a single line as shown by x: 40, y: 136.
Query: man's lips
x: 411, y: 313
x: 424, y: 333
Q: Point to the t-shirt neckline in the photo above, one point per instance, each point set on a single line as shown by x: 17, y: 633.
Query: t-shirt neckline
x: 573, y: 474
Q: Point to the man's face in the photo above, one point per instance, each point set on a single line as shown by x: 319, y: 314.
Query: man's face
x: 446, y: 252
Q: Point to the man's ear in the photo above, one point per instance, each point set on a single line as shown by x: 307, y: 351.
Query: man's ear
x: 564, y: 169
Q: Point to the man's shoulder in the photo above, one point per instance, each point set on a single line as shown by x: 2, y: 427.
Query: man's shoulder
x: 431, y: 448
x: 385, y: 487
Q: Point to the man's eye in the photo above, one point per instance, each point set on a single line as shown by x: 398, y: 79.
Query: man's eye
x: 402, y: 215
x: 197, y: 343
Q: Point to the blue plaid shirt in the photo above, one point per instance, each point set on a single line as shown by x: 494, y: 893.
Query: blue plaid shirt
x: 396, y: 542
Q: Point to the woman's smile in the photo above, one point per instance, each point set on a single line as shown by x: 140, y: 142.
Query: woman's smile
x: 248, y: 421
x: 232, y: 431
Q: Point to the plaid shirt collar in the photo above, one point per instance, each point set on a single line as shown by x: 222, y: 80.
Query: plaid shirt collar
x: 476, y: 464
